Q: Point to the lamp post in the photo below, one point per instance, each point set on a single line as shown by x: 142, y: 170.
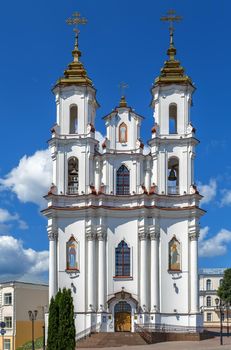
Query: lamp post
x: 219, y: 307
x: 227, y: 317
x: 32, y: 317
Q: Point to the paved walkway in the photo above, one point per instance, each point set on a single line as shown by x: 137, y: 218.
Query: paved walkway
x: 209, y: 344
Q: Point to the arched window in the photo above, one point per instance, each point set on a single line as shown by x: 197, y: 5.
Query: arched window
x: 173, y: 175
x: 220, y: 282
x: 174, y: 255
x: 172, y: 118
x: 73, y: 119
x: 72, y: 254
x: 122, y: 260
x: 123, y: 133
x: 122, y: 181
x: 208, y: 301
x: 208, y: 285
x: 73, y: 175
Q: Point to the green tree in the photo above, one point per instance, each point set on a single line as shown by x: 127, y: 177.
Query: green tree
x: 53, y: 325
x: 224, y: 291
x: 66, y: 331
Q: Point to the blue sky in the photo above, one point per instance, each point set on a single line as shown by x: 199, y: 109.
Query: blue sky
x: 123, y: 41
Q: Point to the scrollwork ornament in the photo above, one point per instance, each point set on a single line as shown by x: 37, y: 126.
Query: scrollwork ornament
x: 53, y: 235
x: 193, y: 236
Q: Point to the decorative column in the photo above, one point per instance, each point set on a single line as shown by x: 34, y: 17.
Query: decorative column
x: 97, y: 175
x: 91, y: 270
x: 148, y: 174
x: 143, y: 269
x: 101, y: 235
x: 52, y: 236
x: 154, y: 237
x: 194, y: 272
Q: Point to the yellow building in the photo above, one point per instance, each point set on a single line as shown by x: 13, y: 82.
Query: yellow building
x: 210, y: 280
x: 16, y: 299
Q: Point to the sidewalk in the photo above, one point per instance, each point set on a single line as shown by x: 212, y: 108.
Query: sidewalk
x: 209, y: 344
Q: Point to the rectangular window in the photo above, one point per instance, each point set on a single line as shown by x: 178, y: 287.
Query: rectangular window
x: 7, y: 344
x: 209, y: 317
x: 8, y: 298
x: 8, y: 321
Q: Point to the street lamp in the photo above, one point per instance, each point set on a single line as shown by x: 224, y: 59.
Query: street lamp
x: 32, y: 317
x: 219, y: 307
x: 227, y: 317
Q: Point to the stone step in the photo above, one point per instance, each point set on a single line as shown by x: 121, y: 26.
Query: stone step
x: 117, y: 339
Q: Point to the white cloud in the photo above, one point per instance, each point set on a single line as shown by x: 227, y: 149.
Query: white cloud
x: 31, y: 179
x: 147, y: 149
x: 226, y: 198
x: 208, y: 191
x: 99, y: 137
x: 6, y: 217
x: 203, y: 233
x: 21, y: 264
x: 214, y: 246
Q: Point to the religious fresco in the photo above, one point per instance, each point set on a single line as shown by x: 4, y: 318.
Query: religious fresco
x: 72, y: 254
x: 123, y: 133
x: 174, y: 255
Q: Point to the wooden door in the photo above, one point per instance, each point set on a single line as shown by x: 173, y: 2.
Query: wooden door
x: 123, y: 322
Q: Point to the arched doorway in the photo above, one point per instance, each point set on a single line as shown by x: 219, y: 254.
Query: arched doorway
x: 122, y: 314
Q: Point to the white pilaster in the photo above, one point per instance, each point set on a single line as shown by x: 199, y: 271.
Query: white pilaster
x: 91, y: 272
x: 148, y: 175
x: 97, y: 175
x: 101, y: 270
x: 194, y: 273
x: 154, y: 237
x: 143, y: 271
x: 52, y: 235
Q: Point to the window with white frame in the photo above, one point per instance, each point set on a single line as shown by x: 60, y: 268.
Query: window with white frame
x: 8, y: 298
x: 209, y: 317
x: 7, y: 344
x: 208, y: 285
x: 8, y: 321
x: 208, y: 301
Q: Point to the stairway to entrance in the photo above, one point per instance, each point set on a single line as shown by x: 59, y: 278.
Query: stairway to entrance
x: 103, y: 340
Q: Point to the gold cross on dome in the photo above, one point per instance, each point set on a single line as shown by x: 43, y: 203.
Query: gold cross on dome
x: 171, y: 18
x: 76, y: 20
x: 122, y: 87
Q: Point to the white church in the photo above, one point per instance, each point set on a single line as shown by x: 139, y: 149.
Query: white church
x: 123, y: 225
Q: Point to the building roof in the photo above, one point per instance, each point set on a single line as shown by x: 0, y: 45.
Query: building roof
x: 212, y: 271
x: 24, y: 283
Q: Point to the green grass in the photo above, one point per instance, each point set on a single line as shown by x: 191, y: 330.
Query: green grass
x: 38, y: 344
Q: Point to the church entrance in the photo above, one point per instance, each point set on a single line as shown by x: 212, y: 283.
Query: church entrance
x: 122, y: 316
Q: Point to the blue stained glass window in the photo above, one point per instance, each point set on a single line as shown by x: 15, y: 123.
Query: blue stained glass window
x: 123, y: 181
x: 122, y: 259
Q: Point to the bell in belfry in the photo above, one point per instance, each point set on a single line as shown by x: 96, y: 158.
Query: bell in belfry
x: 172, y: 175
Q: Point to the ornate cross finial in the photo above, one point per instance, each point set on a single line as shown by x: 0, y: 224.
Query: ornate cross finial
x: 122, y: 87
x: 75, y: 21
x: 171, y: 18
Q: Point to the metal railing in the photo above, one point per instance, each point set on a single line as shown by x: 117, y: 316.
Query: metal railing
x: 166, y: 328
x: 87, y: 332
x: 72, y: 190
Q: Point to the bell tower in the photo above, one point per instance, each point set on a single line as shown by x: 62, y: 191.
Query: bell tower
x: 173, y: 137
x: 74, y: 130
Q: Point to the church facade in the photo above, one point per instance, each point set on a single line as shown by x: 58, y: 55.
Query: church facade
x: 123, y: 224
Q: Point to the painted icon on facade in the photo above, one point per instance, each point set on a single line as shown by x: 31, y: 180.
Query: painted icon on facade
x: 72, y: 254
x: 123, y: 133
x: 174, y: 255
